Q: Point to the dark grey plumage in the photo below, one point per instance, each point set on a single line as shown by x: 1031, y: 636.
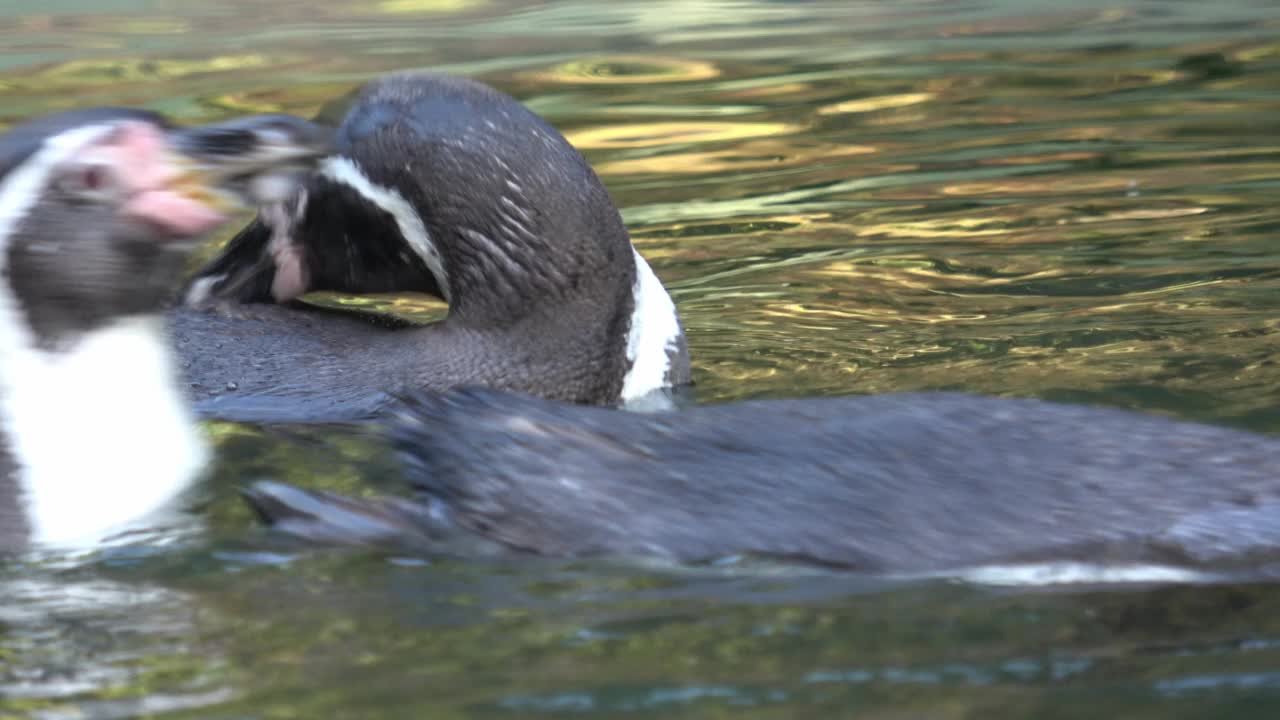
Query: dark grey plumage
x: 15, y: 528
x: 908, y: 483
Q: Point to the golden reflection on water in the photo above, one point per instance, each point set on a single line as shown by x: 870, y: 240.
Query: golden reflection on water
x: 822, y: 220
x: 413, y: 307
x: 305, y: 100
x: 1035, y: 22
x: 627, y: 70
x: 90, y: 72
x: 871, y: 104
x: 639, y: 135
x: 746, y: 155
x: 398, y: 7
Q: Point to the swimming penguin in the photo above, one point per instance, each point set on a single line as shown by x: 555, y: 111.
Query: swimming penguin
x: 899, y: 484
x: 99, y: 210
x: 443, y: 186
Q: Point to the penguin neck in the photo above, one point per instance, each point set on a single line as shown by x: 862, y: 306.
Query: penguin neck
x: 538, y: 300
x: 97, y: 431
x: 615, y: 342
x: 657, y: 354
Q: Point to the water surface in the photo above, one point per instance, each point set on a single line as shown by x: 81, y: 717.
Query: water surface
x: 1063, y: 200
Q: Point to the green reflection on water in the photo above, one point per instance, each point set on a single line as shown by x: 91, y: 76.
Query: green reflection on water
x: 843, y: 197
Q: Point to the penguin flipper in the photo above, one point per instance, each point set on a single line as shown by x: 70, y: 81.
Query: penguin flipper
x: 321, y: 518
x: 326, y: 518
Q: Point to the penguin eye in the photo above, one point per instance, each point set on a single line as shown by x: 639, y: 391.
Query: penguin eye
x: 88, y: 182
x: 92, y: 178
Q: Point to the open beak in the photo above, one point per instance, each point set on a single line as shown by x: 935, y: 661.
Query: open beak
x: 187, y: 181
x: 194, y: 182
x: 247, y: 161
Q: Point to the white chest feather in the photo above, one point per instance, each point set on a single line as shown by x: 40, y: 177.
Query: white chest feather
x: 101, y: 432
x: 655, y: 330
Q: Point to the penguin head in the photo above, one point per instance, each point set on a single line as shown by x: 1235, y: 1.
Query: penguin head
x: 99, y: 209
x: 439, y: 185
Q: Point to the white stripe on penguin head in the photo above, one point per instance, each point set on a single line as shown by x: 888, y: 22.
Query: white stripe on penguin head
x: 344, y: 170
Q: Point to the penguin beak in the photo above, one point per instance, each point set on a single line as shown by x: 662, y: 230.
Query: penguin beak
x: 188, y: 181
x: 252, y: 160
x: 194, y: 182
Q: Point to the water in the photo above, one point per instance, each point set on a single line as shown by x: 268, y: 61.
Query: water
x: 1065, y: 200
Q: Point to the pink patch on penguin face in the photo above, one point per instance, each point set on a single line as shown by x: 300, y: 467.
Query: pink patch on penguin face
x: 145, y: 163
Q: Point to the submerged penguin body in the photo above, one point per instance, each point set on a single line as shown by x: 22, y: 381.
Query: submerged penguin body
x: 915, y: 483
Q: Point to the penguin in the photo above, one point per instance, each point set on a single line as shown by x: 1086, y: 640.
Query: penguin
x: 440, y: 185
x: 444, y: 186
x: 907, y: 485
x: 99, y: 212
